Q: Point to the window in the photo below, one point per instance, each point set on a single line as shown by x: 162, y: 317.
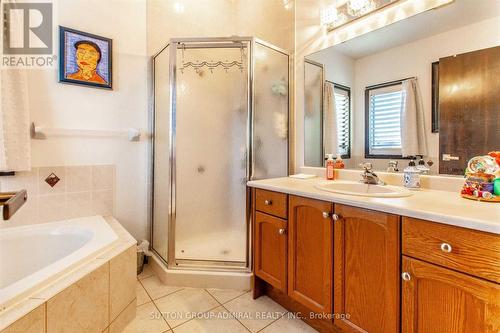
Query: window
x: 383, y: 120
x: 343, y: 109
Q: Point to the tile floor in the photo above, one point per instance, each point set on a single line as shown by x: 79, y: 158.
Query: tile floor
x: 217, y: 311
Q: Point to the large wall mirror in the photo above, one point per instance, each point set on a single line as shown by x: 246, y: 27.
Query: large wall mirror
x: 425, y: 86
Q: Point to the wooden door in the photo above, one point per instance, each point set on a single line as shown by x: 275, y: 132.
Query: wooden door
x: 310, y: 253
x: 270, y: 250
x: 366, y: 270
x: 469, y: 107
x: 437, y: 299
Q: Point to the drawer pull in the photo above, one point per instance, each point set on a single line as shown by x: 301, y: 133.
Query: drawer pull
x: 406, y: 276
x: 326, y: 215
x: 282, y: 231
x: 445, y: 247
x: 268, y: 202
x: 335, y: 217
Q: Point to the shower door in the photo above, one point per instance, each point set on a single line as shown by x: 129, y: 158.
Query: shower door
x: 221, y: 109
x: 211, y: 144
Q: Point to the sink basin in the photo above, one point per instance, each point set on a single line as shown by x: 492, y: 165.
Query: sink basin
x: 365, y: 190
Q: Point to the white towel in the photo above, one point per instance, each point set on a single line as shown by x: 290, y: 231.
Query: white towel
x: 15, y: 149
x: 413, y: 139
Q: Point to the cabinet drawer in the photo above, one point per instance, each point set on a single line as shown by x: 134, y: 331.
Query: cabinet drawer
x: 270, y: 202
x: 469, y: 251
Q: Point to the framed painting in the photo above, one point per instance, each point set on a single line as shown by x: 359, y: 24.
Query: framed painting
x: 85, y: 59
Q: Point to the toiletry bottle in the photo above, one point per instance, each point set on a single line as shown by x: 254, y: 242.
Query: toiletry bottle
x: 339, y: 163
x: 330, y: 166
x: 412, y: 176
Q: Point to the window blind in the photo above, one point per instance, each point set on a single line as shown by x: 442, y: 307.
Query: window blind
x: 385, y: 120
x: 343, y: 107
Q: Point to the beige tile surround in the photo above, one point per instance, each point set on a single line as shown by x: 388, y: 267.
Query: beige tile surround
x: 99, y: 296
x: 83, y: 190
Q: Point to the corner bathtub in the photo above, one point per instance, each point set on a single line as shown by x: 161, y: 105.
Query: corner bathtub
x: 34, y: 255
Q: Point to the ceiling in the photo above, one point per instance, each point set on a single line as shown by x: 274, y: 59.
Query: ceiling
x: 452, y: 16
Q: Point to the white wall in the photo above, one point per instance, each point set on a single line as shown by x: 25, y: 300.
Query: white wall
x: 68, y: 106
x: 414, y: 59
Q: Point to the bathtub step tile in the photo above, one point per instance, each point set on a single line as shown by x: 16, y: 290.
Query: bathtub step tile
x: 148, y: 319
x: 179, y: 307
x: 142, y: 295
x: 33, y: 322
x: 225, y: 295
x: 218, y: 320
x: 156, y: 289
x: 82, y: 307
x: 122, y: 281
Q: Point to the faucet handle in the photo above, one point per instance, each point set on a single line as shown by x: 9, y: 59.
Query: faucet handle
x: 366, y: 165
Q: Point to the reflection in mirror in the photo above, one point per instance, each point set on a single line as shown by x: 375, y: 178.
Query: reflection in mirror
x: 427, y: 86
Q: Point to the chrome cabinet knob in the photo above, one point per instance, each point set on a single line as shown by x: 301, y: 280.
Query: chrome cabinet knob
x: 406, y: 276
x: 282, y: 231
x: 335, y: 217
x: 268, y: 202
x: 445, y: 247
x: 326, y: 215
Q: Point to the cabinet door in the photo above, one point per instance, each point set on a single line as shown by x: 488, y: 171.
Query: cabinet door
x: 366, y: 270
x: 270, y: 250
x: 310, y: 246
x: 437, y: 299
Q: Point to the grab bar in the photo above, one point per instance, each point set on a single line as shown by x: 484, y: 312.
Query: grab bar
x: 11, y: 202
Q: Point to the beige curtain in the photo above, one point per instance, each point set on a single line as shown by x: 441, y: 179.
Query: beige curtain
x: 15, y: 149
x: 413, y: 139
x: 330, y: 120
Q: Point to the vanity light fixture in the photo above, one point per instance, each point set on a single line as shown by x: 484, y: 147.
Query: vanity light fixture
x: 343, y: 12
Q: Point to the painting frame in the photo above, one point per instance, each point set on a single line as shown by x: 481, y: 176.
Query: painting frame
x: 103, y: 72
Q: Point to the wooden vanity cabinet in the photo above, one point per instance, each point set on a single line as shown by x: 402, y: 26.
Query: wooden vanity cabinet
x: 366, y: 270
x: 437, y: 299
x: 310, y: 253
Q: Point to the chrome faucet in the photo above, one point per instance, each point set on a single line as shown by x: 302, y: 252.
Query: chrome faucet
x: 392, y: 166
x: 370, y: 177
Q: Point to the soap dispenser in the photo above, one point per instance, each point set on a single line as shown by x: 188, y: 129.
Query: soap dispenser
x: 330, y: 166
x: 424, y: 169
x: 412, y: 176
x: 339, y: 163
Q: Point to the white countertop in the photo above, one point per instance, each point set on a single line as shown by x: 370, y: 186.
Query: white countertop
x: 438, y: 206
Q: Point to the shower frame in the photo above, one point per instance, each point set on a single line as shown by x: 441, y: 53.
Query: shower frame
x: 209, y: 42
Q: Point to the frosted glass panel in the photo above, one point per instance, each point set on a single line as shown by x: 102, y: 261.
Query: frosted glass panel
x: 161, y: 199
x: 313, y: 118
x: 211, y: 132
x: 270, y: 113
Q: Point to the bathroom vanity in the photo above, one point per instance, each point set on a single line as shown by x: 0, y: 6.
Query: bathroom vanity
x: 429, y: 262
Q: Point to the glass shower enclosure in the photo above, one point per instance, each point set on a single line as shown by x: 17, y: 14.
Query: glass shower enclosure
x: 221, y: 115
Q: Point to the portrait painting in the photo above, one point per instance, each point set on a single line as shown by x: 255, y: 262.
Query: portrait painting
x: 85, y: 58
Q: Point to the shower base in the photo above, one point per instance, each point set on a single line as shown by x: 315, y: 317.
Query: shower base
x: 200, y: 278
x: 222, y: 246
